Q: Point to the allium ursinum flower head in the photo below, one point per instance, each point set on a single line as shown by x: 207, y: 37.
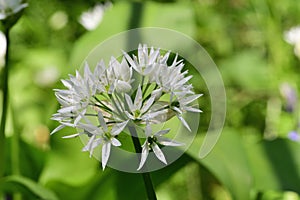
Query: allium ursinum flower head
x: 139, y: 90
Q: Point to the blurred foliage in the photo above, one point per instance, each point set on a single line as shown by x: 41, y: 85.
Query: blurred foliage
x: 254, y: 158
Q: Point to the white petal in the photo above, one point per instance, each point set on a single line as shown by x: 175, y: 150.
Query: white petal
x: 67, y: 109
x: 71, y: 136
x: 115, y: 142
x: 191, y: 109
x: 148, y: 104
x: 57, y: 129
x: 105, y: 153
x: 144, y: 155
x: 118, y: 128
x: 101, y: 121
x: 158, y: 153
x: 168, y: 142
x: 190, y: 99
x: 129, y: 115
x: 88, y: 146
x: 122, y: 86
x: 184, y: 122
x: 157, y: 93
x: 138, y: 99
x: 177, y: 110
x: 154, y: 56
x: 183, y: 81
x: 131, y: 62
x: 67, y: 83
x: 152, y: 115
x: 78, y: 118
x: 87, y: 71
x: 148, y: 130
x: 129, y: 102
x: 162, y: 132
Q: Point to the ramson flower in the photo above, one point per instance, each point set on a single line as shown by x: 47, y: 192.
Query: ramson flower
x: 10, y: 7
x: 92, y: 18
x: 152, y: 143
x: 102, y: 135
x: 139, y: 90
x: 145, y: 62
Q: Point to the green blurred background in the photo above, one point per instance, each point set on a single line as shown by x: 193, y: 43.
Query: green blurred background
x: 258, y: 154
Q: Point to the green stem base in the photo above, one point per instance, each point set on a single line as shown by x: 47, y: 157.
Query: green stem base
x: 146, y: 175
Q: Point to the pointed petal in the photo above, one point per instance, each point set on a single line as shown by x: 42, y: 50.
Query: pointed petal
x: 105, y: 153
x: 88, y: 146
x: 148, y: 104
x: 118, y: 128
x: 115, y: 142
x: 123, y: 86
x: 192, y: 109
x: 168, y: 142
x: 184, y: 122
x: 178, y: 110
x: 101, y: 121
x: 148, y: 130
x: 67, y: 83
x: 57, y: 129
x: 138, y: 98
x: 87, y: 71
x: 190, y: 99
x: 71, y: 136
x: 67, y: 109
x: 158, y: 153
x: 162, y: 132
x: 131, y: 62
x: 183, y: 81
x: 144, y: 155
x: 129, y: 102
x: 157, y: 93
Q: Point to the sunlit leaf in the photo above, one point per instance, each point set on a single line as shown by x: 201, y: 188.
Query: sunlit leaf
x: 19, y: 184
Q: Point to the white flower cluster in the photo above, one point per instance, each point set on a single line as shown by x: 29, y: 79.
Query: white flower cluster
x: 292, y: 36
x: 137, y: 91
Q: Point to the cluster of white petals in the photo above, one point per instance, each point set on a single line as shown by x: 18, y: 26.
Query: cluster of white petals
x: 135, y: 91
x: 292, y: 36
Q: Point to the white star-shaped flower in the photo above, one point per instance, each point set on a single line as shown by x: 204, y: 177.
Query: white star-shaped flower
x: 151, y: 143
x: 102, y: 135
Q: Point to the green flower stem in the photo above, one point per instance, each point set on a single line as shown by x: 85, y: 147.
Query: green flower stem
x: 4, y: 107
x: 146, y: 175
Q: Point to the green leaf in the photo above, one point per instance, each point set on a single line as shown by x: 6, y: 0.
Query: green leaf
x: 23, y: 184
x: 248, y: 70
x: 275, y: 165
x: 113, y: 184
x: 228, y: 162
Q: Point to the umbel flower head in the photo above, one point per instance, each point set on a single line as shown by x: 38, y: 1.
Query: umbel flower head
x: 138, y: 90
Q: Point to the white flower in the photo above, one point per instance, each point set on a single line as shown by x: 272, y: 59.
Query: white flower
x: 10, y: 7
x: 123, y: 75
x: 74, y: 101
x: 139, y: 110
x: 145, y: 62
x: 102, y: 135
x: 93, y: 17
x: 108, y: 93
x: 292, y: 36
x: 151, y: 143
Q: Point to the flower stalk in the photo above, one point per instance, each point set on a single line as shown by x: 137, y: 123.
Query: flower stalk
x: 4, y: 105
x: 146, y: 175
